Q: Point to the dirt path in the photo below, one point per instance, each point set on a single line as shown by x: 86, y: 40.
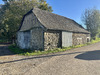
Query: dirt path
x: 11, y: 64
x: 79, y: 61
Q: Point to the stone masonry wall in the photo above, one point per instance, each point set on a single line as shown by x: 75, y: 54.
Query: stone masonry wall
x: 52, y: 39
x: 80, y: 38
x: 32, y: 24
x: 36, y: 42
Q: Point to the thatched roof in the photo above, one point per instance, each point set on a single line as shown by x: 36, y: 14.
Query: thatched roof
x: 57, y: 22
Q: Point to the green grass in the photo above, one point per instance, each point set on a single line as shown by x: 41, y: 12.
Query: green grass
x: 26, y: 52
x: 1, y: 41
x: 4, y: 41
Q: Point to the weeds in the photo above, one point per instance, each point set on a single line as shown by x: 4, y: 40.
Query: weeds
x: 28, y: 52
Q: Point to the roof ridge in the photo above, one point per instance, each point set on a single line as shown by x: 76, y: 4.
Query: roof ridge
x: 41, y: 14
x: 59, y: 15
x: 52, y: 13
x: 54, y: 21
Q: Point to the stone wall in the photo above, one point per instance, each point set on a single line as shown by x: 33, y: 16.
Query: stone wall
x: 36, y: 42
x: 32, y: 24
x: 80, y: 38
x: 32, y: 39
x: 52, y: 39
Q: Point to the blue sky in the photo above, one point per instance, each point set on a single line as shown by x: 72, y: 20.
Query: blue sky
x: 1, y: 2
x: 72, y: 8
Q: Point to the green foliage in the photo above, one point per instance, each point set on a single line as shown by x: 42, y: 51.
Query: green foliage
x: 5, y: 41
x: 91, y: 18
x: 12, y: 12
x: 95, y: 41
x: 44, y: 6
x: 19, y: 51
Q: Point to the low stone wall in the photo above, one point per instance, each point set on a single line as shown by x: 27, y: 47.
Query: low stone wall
x: 80, y: 38
x: 52, y: 39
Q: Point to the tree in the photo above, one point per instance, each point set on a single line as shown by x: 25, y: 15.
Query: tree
x: 91, y: 18
x: 2, y: 11
x: 44, y: 6
x: 13, y: 11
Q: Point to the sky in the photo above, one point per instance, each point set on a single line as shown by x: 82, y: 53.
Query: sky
x: 1, y: 2
x: 72, y: 9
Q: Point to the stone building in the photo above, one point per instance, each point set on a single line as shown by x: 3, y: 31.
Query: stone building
x: 42, y: 30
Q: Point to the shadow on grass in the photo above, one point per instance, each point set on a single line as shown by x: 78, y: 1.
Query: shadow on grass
x: 91, y: 55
